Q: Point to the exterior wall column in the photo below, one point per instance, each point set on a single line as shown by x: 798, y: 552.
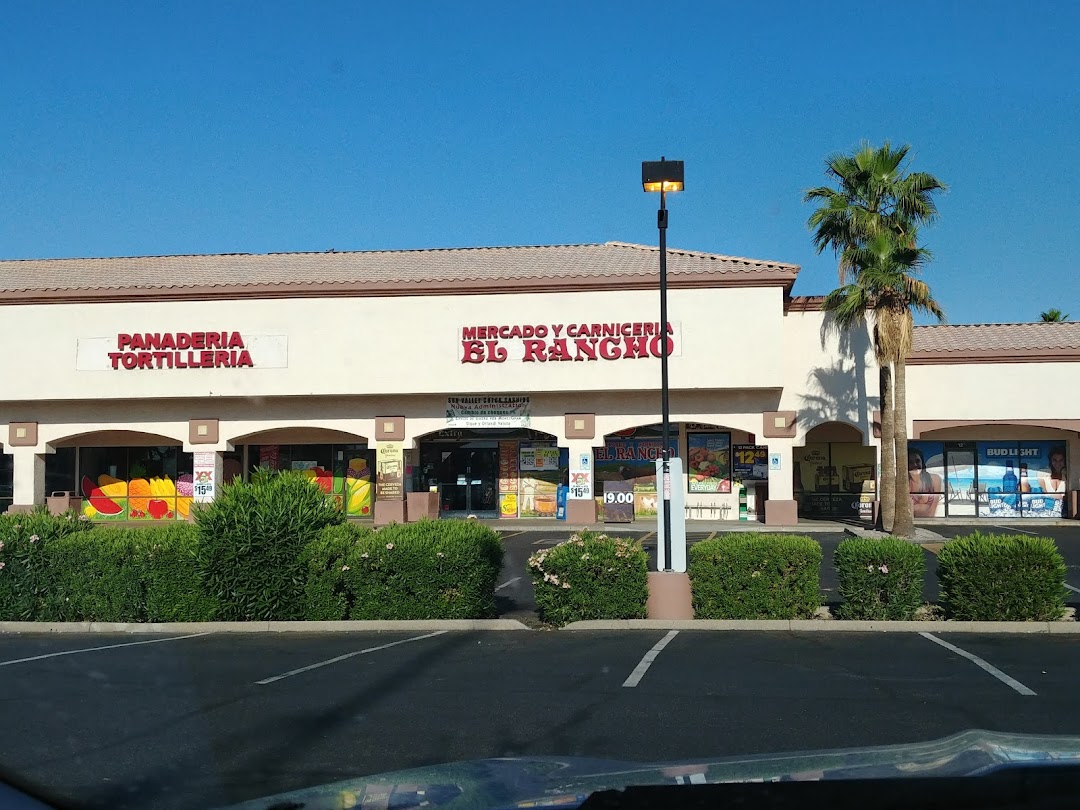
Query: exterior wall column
x: 579, y: 432
x: 28, y: 484
x: 389, y: 491
x: 781, y: 508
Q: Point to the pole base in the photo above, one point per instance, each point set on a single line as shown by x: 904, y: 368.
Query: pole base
x: 669, y: 596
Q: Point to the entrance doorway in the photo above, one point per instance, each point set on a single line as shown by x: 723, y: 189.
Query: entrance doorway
x: 467, y: 475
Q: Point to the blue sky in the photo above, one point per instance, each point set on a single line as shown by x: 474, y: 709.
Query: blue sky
x: 135, y: 128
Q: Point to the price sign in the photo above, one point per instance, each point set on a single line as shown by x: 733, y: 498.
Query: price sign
x: 751, y: 462
x: 618, y: 502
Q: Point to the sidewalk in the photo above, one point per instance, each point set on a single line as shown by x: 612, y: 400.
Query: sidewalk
x: 645, y: 525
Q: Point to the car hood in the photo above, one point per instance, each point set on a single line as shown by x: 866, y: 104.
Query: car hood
x: 561, y: 782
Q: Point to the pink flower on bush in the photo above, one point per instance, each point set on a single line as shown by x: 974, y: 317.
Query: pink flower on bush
x: 2, y: 564
x: 344, y: 568
x: 389, y: 546
x: 365, y: 555
x: 884, y: 569
x: 34, y: 538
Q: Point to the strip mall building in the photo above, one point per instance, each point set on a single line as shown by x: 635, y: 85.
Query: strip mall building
x: 492, y: 381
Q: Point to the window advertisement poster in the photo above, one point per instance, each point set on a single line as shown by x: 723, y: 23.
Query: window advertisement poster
x: 751, y: 462
x: 926, y: 478
x: 999, y: 480
x: 541, y: 468
x: 488, y: 412
x: 389, y: 471
x: 633, y: 460
x: 1043, y: 478
x: 581, y: 486
x: 709, y: 462
x: 508, y: 479
x: 831, y: 479
x: 203, y: 483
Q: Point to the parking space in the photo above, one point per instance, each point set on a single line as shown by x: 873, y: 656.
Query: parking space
x: 207, y: 720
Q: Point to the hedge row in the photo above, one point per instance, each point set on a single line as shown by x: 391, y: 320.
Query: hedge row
x: 773, y: 576
x: 269, y: 549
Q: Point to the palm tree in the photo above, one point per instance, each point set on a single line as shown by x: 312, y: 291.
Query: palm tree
x: 876, y: 195
x: 1054, y: 316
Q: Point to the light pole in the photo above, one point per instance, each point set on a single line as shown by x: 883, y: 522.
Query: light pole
x: 664, y: 176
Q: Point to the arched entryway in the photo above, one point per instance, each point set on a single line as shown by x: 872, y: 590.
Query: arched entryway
x: 492, y: 472
x: 341, y: 463
x: 834, y: 473
x: 123, y: 475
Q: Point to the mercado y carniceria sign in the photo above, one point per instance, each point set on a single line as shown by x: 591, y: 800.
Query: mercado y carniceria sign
x: 542, y: 343
x: 149, y: 350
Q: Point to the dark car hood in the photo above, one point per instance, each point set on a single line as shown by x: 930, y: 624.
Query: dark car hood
x: 543, y: 782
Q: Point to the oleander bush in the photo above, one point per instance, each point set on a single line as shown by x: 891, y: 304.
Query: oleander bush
x: 432, y: 569
x: 590, y: 576
x: 755, y: 576
x: 24, y: 572
x: 880, y: 579
x: 1002, y: 577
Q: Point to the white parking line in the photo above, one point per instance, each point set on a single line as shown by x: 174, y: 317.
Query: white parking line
x: 508, y: 583
x: 1071, y: 588
x: 95, y: 649
x: 985, y: 665
x: 330, y: 661
x: 1013, y: 529
x: 650, y: 656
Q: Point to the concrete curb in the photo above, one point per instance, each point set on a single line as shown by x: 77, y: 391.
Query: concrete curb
x: 262, y: 627
x: 827, y: 626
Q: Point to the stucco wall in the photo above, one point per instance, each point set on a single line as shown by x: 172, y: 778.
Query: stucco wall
x: 730, y: 338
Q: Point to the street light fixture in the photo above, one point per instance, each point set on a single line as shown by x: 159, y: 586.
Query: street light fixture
x: 664, y: 176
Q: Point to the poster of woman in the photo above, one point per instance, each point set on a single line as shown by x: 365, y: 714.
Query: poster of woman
x: 926, y: 478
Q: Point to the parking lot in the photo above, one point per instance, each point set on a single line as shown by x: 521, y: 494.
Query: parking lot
x: 215, y: 719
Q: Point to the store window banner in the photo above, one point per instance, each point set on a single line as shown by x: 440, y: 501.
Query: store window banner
x: 488, y: 412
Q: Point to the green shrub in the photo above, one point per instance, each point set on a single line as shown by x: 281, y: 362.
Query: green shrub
x: 432, y: 569
x: 1000, y: 577
x: 755, y: 576
x: 591, y: 576
x: 252, y: 539
x: 75, y: 572
x: 327, y: 596
x: 880, y: 579
x: 24, y: 574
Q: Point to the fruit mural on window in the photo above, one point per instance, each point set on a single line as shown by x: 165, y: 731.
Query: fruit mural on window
x: 156, y: 498
x: 359, y: 490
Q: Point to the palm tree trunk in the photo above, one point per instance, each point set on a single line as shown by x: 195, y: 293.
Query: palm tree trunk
x: 904, y: 523
x: 887, y: 496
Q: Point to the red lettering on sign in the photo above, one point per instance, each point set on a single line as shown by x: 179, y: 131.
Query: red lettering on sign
x: 206, y: 358
x: 244, y: 360
x: 198, y: 340
x: 635, y: 347
x: 473, y: 351
x: 130, y: 360
x: 534, y: 350
x: 609, y: 349
x: 235, y: 341
x: 221, y: 359
x: 558, y: 350
x: 114, y: 357
x: 495, y: 353
x: 586, y: 348
x: 654, y: 345
x: 123, y: 341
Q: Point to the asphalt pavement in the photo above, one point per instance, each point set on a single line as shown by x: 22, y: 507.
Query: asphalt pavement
x: 217, y: 719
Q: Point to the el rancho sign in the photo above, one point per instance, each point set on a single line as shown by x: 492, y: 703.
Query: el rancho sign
x: 543, y: 343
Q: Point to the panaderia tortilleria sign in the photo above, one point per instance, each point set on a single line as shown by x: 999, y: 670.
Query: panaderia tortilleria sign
x: 181, y: 350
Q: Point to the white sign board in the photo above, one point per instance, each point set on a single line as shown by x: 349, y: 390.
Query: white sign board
x: 205, y: 477
x: 107, y: 354
x: 538, y: 459
x: 774, y: 462
x: 488, y: 412
x: 678, y: 515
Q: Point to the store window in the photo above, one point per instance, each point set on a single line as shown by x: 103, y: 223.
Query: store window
x: 343, y: 471
x: 60, y: 471
x: 996, y: 479
x: 135, y: 483
x: 630, y: 455
x: 834, y: 479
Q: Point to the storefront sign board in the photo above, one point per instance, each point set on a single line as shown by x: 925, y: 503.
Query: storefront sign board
x: 204, y: 478
x: 709, y: 462
x: 163, y: 351
x: 556, y: 342
x: 751, y: 462
x: 488, y: 412
x: 390, y: 468
x: 538, y: 459
x: 618, y: 502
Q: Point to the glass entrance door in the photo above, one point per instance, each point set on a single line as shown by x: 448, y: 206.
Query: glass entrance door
x: 467, y: 476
